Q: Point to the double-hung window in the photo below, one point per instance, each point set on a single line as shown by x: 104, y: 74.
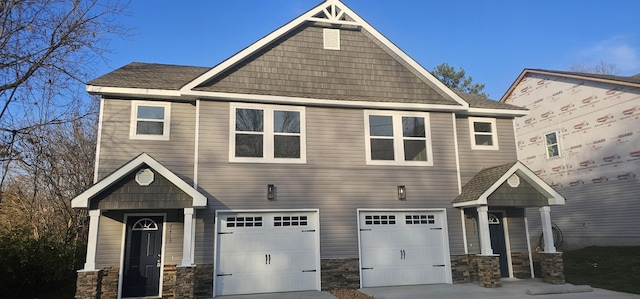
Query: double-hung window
x: 396, y: 138
x: 552, y: 144
x: 150, y: 120
x: 483, y: 133
x: 267, y: 134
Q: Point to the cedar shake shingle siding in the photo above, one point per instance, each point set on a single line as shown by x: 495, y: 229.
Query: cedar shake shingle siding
x: 297, y: 65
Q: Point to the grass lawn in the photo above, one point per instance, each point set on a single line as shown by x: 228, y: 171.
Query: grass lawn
x: 612, y: 268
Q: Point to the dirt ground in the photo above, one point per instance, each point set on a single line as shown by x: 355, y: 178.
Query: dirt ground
x: 349, y: 294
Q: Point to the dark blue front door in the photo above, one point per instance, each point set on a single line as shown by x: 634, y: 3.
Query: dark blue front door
x: 143, y: 251
x: 496, y: 230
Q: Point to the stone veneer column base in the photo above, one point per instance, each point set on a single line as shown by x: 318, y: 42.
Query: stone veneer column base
x: 552, y: 266
x: 340, y: 274
x: 88, y: 284
x: 185, y: 282
x: 460, y: 271
x: 489, y: 271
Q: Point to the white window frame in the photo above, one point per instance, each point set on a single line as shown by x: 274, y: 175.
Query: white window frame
x: 546, y: 145
x: 398, y: 138
x: 134, y: 120
x: 493, y: 134
x: 268, y: 134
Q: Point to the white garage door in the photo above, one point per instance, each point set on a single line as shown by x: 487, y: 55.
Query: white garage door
x: 267, y: 252
x: 403, y: 248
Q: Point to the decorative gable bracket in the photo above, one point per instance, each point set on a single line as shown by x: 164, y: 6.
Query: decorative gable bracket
x: 333, y: 14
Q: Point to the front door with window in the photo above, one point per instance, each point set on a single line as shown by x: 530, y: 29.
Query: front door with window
x: 498, y: 244
x: 143, y: 250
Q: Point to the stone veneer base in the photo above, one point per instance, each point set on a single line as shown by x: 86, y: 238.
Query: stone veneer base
x: 552, y: 266
x: 340, y: 273
x: 489, y: 271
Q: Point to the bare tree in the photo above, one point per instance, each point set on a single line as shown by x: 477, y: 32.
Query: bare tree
x: 600, y: 68
x: 47, y: 49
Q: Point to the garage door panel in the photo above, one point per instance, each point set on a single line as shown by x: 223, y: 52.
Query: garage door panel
x: 267, y: 252
x: 402, y: 247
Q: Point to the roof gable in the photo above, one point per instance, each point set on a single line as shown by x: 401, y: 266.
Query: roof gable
x: 477, y: 191
x: 83, y: 200
x: 619, y: 80
x: 297, y: 65
x: 333, y: 13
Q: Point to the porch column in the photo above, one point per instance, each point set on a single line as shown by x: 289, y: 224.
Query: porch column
x: 187, y: 245
x: 92, y: 243
x: 483, y: 227
x: 547, y: 231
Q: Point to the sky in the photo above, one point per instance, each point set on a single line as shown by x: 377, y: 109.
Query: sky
x: 493, y: 41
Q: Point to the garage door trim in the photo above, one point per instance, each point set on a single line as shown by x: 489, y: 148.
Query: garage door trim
x: 445, y: 230
x: 219, y: 213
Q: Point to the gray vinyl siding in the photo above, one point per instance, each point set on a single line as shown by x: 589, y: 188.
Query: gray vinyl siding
x: 110, y: 236
x: 116, y: 148
x: 472, y: 161
x: 335, y: 179
x: 109, y: 239
x: 517, y: 233
x: 608, y: 210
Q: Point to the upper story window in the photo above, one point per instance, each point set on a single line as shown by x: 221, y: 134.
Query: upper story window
x: 552, y: 144
x: 150, y: 120
x: 484, y: 135
x: 394, y: 138
x: 267, y: 134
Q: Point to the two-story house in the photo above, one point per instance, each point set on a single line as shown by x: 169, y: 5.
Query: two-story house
x: 582, y: 137
x: 319, y: 157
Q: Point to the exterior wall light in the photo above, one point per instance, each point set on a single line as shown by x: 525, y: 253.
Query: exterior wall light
x: 402, y: 192
x: 271, y: 192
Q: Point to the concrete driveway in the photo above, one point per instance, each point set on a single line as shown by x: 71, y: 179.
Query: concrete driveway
x: 510, y: 289
x: 288, y: 295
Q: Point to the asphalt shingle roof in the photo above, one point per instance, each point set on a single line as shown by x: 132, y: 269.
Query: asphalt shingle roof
x: 476, y: 101
x: 150, y: 76
x: 482, y: 181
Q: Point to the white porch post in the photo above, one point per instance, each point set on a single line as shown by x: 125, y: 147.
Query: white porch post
x: 187, y: 245
x: 483, y: 227
x: 547, y: 232
x: 92, y: 243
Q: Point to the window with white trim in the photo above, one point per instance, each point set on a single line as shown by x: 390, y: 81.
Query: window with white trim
x: 552, y: 144
x: 394, y: 138
x: 267, y: 134
x: 484, y: 135
x: 150, y: 120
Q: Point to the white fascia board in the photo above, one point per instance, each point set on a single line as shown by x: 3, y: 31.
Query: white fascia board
x: 134, y: 92
x: 309, y: 16
x: 82, y: 201
x: 497, y: 112
x: 253, y: 98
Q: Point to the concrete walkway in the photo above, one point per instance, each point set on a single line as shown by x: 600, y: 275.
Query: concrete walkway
x: 510, y: 289
x: 288, y: 295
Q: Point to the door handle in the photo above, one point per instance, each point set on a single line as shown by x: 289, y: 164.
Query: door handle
x: 267, y: 259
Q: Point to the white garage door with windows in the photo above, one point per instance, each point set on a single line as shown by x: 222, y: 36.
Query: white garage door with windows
x: 264, y: 252
x: 403, y: 247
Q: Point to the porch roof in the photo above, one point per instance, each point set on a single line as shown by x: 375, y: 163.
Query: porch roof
x: 490, y: 186
x: 83, y: 200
